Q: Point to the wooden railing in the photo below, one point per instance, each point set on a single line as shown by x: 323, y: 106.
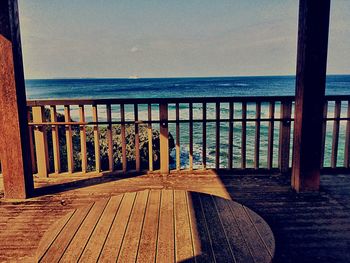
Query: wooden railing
x: 105, y: 135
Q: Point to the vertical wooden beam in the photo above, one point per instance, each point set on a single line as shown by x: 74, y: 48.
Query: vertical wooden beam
x: 217, y: 136
x: 110, y: 138
x: 164, y: 138
x: 244, y: 136
x: 69, y: 140
x: 123, y: 135
x: 55, y: 140
x: 230, y: 136
x: 284, y: 138
x: 15, y: 160
x: 40, y: 135
x: 310, y: 93
x: 96, y: 139
x: 178, y: 152
x: 270, y: 134
x: 150, y: 139
x: 31, y: 143
x: 83, y: 148
x: 257, y: 135
x: 347, y: 140
x: 324, y: 130
x: 137, y: 138
x: 335, y: 141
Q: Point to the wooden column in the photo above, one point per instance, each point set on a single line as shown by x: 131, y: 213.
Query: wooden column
x: 164, y: 138
x: 14, y: 139
x: 310, y: 93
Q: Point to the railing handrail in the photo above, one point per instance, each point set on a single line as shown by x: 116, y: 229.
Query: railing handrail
x: 44, y: 102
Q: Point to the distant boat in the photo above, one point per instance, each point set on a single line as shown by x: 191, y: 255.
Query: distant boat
x: 134, y: 77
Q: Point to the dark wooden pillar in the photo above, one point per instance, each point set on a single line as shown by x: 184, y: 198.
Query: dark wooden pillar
x: 310, y: 93
x: 14, y: 140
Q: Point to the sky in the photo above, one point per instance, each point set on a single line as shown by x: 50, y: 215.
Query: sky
x: 163, y: 38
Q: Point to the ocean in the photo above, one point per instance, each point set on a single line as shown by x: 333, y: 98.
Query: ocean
x: 196, y: 87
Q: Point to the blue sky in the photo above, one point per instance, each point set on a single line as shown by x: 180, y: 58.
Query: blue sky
x: 162, y: 38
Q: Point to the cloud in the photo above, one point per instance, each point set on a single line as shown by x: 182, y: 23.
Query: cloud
x: 135, y: 49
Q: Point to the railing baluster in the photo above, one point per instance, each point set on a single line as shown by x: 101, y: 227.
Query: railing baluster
x: 324, y: 130
x: 83, y: 148
x: 31, y: 143
x: 347, y: 140
x: 217, y: 141
x: 164, y: 138
x: 230, y: 136
x: 191, y: 135
x: 244, y: 136
x: 55, y: 140
x: 178, y: 153
x: 284, y: 137
x: 257, y: 135
x: 122, y: 130
x: 270, y: 133
x: 204, y: 139
x: 150, y: 139
x: 137, y: 137
x: 110, y: 138
x: 335, y: 141
x: 96, y: 139
x: 69, y: 141
x: 41, y: 142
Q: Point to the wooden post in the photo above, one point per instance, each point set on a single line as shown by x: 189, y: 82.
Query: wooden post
x: 69, y: 140
x: 40, y: 136
x: 164, y: 138
x: 15, y: 160
x: 284, y: 144
x: 310, y: 93
x: 55, y: 141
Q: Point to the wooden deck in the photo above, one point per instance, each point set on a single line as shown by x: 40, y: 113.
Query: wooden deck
x: 313, y: 227
x: 159, y: 226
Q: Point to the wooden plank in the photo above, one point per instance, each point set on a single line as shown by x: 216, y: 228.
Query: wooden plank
x: 32, y: 149
x: 40, y: 137
x: 94, y: 247
x: 324, y: 130
x: 128, y: 252
x: 83, y: 147
x: 137, y: 139
x: 218, y: 238
x: 335, y: 139
x: 51, y: 235
x: 115, y: 236
x: 244, y: 136
x: 271, y: 135
x: 217, y: 136
x: 347, y: 140
x: 164, y: 139
x: 123, y: 135
x: 166, y: 235
x: 310, y: 93
x: 17, y: 176
x: 257, y: 135
x: 230, y: 136
x: 178, y: 149
x: 110, y: 138
x: 204, y: 141
x: 96, y: 139
x: 190, y: 133
x: 54, y: 253
x: 284, y: 137
x: 55, y: 141
x: 150, y: 139
x: 201, y: 241
x: 237, y: 243
x: 69, y: 140
x: 183, y: 238
x: 148, y: 240
x: 256, y: 245
x: 82, y: 236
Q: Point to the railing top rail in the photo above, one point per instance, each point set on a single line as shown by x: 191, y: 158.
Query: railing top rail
x: 46, y: 102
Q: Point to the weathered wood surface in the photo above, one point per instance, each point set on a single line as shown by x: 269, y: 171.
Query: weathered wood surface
x: 159, y: 224
x: 307, y: 227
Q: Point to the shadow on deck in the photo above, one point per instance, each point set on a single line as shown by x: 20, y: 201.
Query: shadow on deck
x: 312, y: 227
